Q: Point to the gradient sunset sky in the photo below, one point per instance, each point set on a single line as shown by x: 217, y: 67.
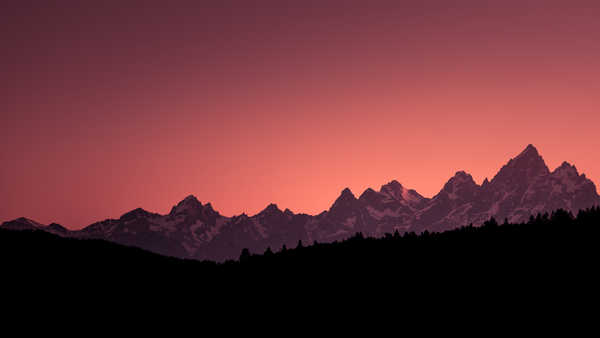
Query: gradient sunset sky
x: 111, y: 105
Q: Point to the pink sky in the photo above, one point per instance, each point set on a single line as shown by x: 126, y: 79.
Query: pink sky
x: 109, y: 107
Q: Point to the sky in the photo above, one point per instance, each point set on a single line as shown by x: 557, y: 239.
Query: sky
x: 107, y: 106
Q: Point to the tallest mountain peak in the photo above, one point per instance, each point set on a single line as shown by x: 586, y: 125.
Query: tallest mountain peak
x: 530, y: 151
x: 525, y: 166
x: 528, y: 156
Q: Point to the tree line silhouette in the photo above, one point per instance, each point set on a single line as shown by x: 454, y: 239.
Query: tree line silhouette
x: 546, y: 239
x: 525, y: 257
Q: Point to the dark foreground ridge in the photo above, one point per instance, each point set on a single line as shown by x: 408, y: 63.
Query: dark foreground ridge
x: 548, y: 249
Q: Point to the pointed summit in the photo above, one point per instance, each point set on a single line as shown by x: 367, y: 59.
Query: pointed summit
x: 528, y: 156
x: 461, y: 178
x: 392, y: 186
x: 191, y: 199
x: 523, y: 168
x: 462, y: 174
x: 271, y: 208
x: 346, y: 197
x: 347, y: 194
x: 566, y: 166
x: 461, y: 185
x: 346, y: 200
x: 288, y: 212
x: 209, y: 207
x: 530, y: 150
x: 368, y: 194
x: 398, y: 192
x: 135, y: 213
x: 345, y: 207
x: 566, y: 170
x: 190, y: 203
x: 485, y: 184
x: 394, y: 189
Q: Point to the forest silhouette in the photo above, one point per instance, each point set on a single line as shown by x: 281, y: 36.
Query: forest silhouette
x: 549, y: 253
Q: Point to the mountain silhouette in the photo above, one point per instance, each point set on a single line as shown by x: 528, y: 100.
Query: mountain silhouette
x: 523, y: 187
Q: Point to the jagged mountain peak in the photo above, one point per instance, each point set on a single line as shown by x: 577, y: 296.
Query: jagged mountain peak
x: 392, y: 186
x: 569, y: 177
x: 566, y: 169
x: 461, y: 185
x: 190, y: 198
x: 526, y: 166
x: 459, y: 179
x: 463, y: 175
x: 347, y: 191
x: 368, y: 194
x: 208, y: 206
x: 135, y: 213
x: 346, y: 194
x: 190, y: 203
x: 529, y: 151
x: 394, y: 189
x: 271, y: 208
x: 528, y: 156
x: 344, y: 201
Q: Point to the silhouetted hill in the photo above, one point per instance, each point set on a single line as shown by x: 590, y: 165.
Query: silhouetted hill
x: 37, y: 251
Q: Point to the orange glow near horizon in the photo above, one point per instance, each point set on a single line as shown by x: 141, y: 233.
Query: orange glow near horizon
x: 111, y: 108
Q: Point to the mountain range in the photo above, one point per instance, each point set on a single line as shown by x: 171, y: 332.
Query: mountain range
x: 523, y: 187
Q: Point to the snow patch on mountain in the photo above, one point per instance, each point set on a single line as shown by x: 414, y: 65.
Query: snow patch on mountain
x: 379, y: 215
